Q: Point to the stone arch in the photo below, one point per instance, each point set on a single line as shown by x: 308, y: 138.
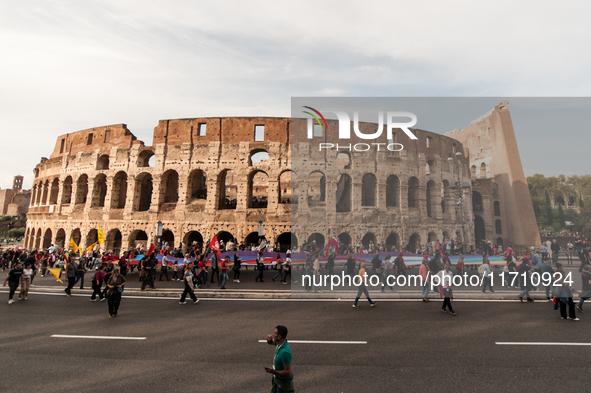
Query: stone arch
x: 47, y: 236
x: 483, y: 171
x: 287, y: 240
x: 228, y: 189
x: 102, y: 163
x: 45, y: 192
x: 114, y: 241
x: 39, y: 193
x: 392, y: 241
x: 369, y: 236
x: 479, y: 230
x: 316, y: 187
x: 31, y: 240
x: 119, y: 191
x: 343, y: 160
x: 55, y: 188
x: 285, y: 187
x: 91, y: 237
x: 431, y: 237
x: 145, y: 158
x: 138, y: 236
x: 167, y: 237
x: 225, y: 236
x: 251, y: 238
x: 392, y: 191
x: 76, y: 235
x: 345, y: 239
x: 169, y: 187
x: 413, y: 192
x: 38, y: 239
x: 344, y: 193
x: 60, y: 239
x: 197, y: 186
x: 258, y: 187
x: 257, y: 155
x: 369, y: 185
x: 81, y: 189
x: 477, y: 205
x: 143, y: 192
x: 319, y: 238
x: 67, y: 191
x: 414, y: 243
x: 99, y: 191
x: 193, y: 236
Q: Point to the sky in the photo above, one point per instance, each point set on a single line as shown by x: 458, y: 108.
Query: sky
x: 68, y: 66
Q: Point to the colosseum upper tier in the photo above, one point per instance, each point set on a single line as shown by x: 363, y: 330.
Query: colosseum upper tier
x: 222, y: 176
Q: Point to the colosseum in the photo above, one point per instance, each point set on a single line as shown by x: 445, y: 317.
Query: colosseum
x: 222, y: 176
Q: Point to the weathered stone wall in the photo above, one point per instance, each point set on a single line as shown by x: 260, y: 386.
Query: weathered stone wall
x: 114, y: 184
x: 494, y: 155
x: 400, y: 198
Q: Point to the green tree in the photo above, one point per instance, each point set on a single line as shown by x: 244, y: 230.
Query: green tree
x: 549, y: 213
x: 581, y: 204
x: 16, y: 233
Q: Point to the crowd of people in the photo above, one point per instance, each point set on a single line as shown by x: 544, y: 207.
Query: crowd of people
x: 109, y: 270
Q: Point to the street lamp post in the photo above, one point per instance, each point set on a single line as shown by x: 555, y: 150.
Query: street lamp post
x: 159, y: 232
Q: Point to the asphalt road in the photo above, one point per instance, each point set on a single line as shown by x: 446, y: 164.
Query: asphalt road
x: 213, y: 346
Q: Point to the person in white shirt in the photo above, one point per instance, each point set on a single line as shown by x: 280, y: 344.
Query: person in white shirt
x: 446, y: 277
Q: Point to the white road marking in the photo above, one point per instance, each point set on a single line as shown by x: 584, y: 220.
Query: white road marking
x: 321, y: 342
x: 543, y: 343
x: 98, y: 337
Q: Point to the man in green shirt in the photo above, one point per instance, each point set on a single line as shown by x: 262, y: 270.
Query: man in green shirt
x: 282, y: 377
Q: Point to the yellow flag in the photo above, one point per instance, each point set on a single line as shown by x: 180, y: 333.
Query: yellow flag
x: 89, y: 248
x: 101, y: 235
x: 74, y: 246
x: 56, y: 273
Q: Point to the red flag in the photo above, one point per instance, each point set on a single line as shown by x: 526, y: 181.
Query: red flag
x: 215, y: 245
x: 151, y: 249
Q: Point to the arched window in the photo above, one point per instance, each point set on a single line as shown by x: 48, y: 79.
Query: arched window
x: 197, y: 187
x: 169, y: 187
x: 392, y: 191
x: 497, y: 207
x: 316, y: 187
x: 343, y: 194
x: 67, y: 191
x: 483, y: 171
x: 228, y: 190
x: 102, y: 163
x: 473, y: 171
x: 477, y: 205
x: 498, y: 227
x: 368, y: 190
x: 99, y: 191
x: 81, y: 190
x: 119, y: 191
x: 285, y: 187
x: 258, y: 190
x: 413, y: 192
x: 257, y: 156
x: 143, y: 192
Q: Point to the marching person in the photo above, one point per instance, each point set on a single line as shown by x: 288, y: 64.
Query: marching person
x: 14, y: 278
x: 260, y: 267
x: 363, y: 289
x: 115, y: 285
x: 446, y: 292
x: 97, y: 283
x: 188, y: 280
x: 236, y: 268
x: 282, y: 381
